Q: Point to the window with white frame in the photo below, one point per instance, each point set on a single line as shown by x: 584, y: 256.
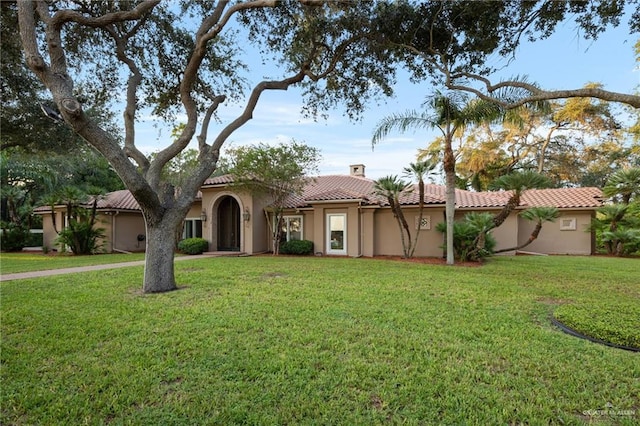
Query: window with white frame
x: 568, y: 224
x: 192, y: 228
x: 291, y: 228
x: 337, y: 233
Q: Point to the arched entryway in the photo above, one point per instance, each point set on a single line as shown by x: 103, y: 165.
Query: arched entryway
x: 228, y: 224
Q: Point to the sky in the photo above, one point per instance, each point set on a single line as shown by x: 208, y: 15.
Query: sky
x: 564, y: 61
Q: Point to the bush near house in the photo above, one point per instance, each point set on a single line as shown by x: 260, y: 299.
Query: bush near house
x: 466, y: 234
x: 193, y: 246
x: 13, y: 237
x: 299, y: 247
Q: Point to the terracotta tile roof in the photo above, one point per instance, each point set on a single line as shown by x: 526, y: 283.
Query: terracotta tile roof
x: 436, y: 194
x: 342, y: 188
x: 218, y: 180
x: 118, y: 200
x: 333, y: 187
x: 337, y: 194
x: 563, y: 198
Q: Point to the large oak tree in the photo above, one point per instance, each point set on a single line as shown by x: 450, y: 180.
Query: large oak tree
x: 185, y: 58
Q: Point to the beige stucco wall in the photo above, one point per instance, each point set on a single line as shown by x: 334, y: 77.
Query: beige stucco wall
x: 124, y: 231
x: 48, y: 234
x: 308, y: 226
x: 258, y: 232
x: 195, y: 212
x: 122, y: 236
x: 554, y: 240
x: 387, y: 240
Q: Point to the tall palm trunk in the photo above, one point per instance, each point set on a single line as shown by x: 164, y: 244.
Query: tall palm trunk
x: 512, y: 204
x: 420, y: 216
x: 449, y: 167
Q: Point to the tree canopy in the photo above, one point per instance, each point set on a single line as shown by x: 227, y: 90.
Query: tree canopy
x: 451, y: 42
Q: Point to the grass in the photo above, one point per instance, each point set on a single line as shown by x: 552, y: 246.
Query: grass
x: 11, y: 263
x: 263, y: 340
x: 616, y: 323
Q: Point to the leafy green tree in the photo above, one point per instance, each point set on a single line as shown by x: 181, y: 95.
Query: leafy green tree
x: 273, y: 173
x: 34, y: 176
x: 556, y: 141
x: 392, y: 188
x: 450, y: 114
x: 453, y: 42
x: 622, y: 241
x: 22, y: 119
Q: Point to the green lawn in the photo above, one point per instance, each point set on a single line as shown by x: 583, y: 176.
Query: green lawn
x: 11, y: 263
x: 264, y: 340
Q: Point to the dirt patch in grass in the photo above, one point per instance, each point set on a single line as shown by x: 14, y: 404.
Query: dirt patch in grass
x: 553, y: 301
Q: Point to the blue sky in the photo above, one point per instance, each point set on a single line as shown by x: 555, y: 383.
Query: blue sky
x: 564, y: 61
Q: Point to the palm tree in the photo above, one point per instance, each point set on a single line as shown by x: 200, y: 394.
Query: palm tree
x: 517, y: 183
x: 391, y: 187
x: 608, y: 220
x: 451, y: 114
x: 539, y: 215
x: 620, y: 238
x: 419, y: 170
x: 625, y: 183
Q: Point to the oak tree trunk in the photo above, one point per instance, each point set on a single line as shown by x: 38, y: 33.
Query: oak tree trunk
x: 159, y: 269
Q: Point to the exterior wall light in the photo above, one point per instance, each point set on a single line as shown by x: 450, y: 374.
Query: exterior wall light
x: 246, y: 215
x: 203, y: 216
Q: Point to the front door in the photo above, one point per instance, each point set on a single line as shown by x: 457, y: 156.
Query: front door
x: 228, y: 225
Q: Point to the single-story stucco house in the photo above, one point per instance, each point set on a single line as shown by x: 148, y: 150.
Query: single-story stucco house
x: 342, y: 216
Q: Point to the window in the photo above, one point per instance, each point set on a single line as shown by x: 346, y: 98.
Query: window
x: 291, y: 228
x: 337, y: 234
x: 568, y: 224
x: 192, y: 228
x: 425, y: 224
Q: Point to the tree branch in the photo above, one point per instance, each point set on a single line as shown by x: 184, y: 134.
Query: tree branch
x: 129, y: 113
x: 532, y: 93
x: 63, y: 16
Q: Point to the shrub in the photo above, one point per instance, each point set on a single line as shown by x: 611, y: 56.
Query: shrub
x: 300, y: 247
x: 193, y: 245
x: 13, y: 237
x: 81, y: 237
x: 466, y: 235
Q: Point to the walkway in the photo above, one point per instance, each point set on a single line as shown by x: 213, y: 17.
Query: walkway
x: 50, y: 272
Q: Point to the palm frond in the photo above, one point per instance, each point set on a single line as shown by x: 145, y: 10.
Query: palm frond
x: 401, y: 122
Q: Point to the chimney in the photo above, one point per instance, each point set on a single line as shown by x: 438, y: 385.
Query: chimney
x: 357, y: 170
